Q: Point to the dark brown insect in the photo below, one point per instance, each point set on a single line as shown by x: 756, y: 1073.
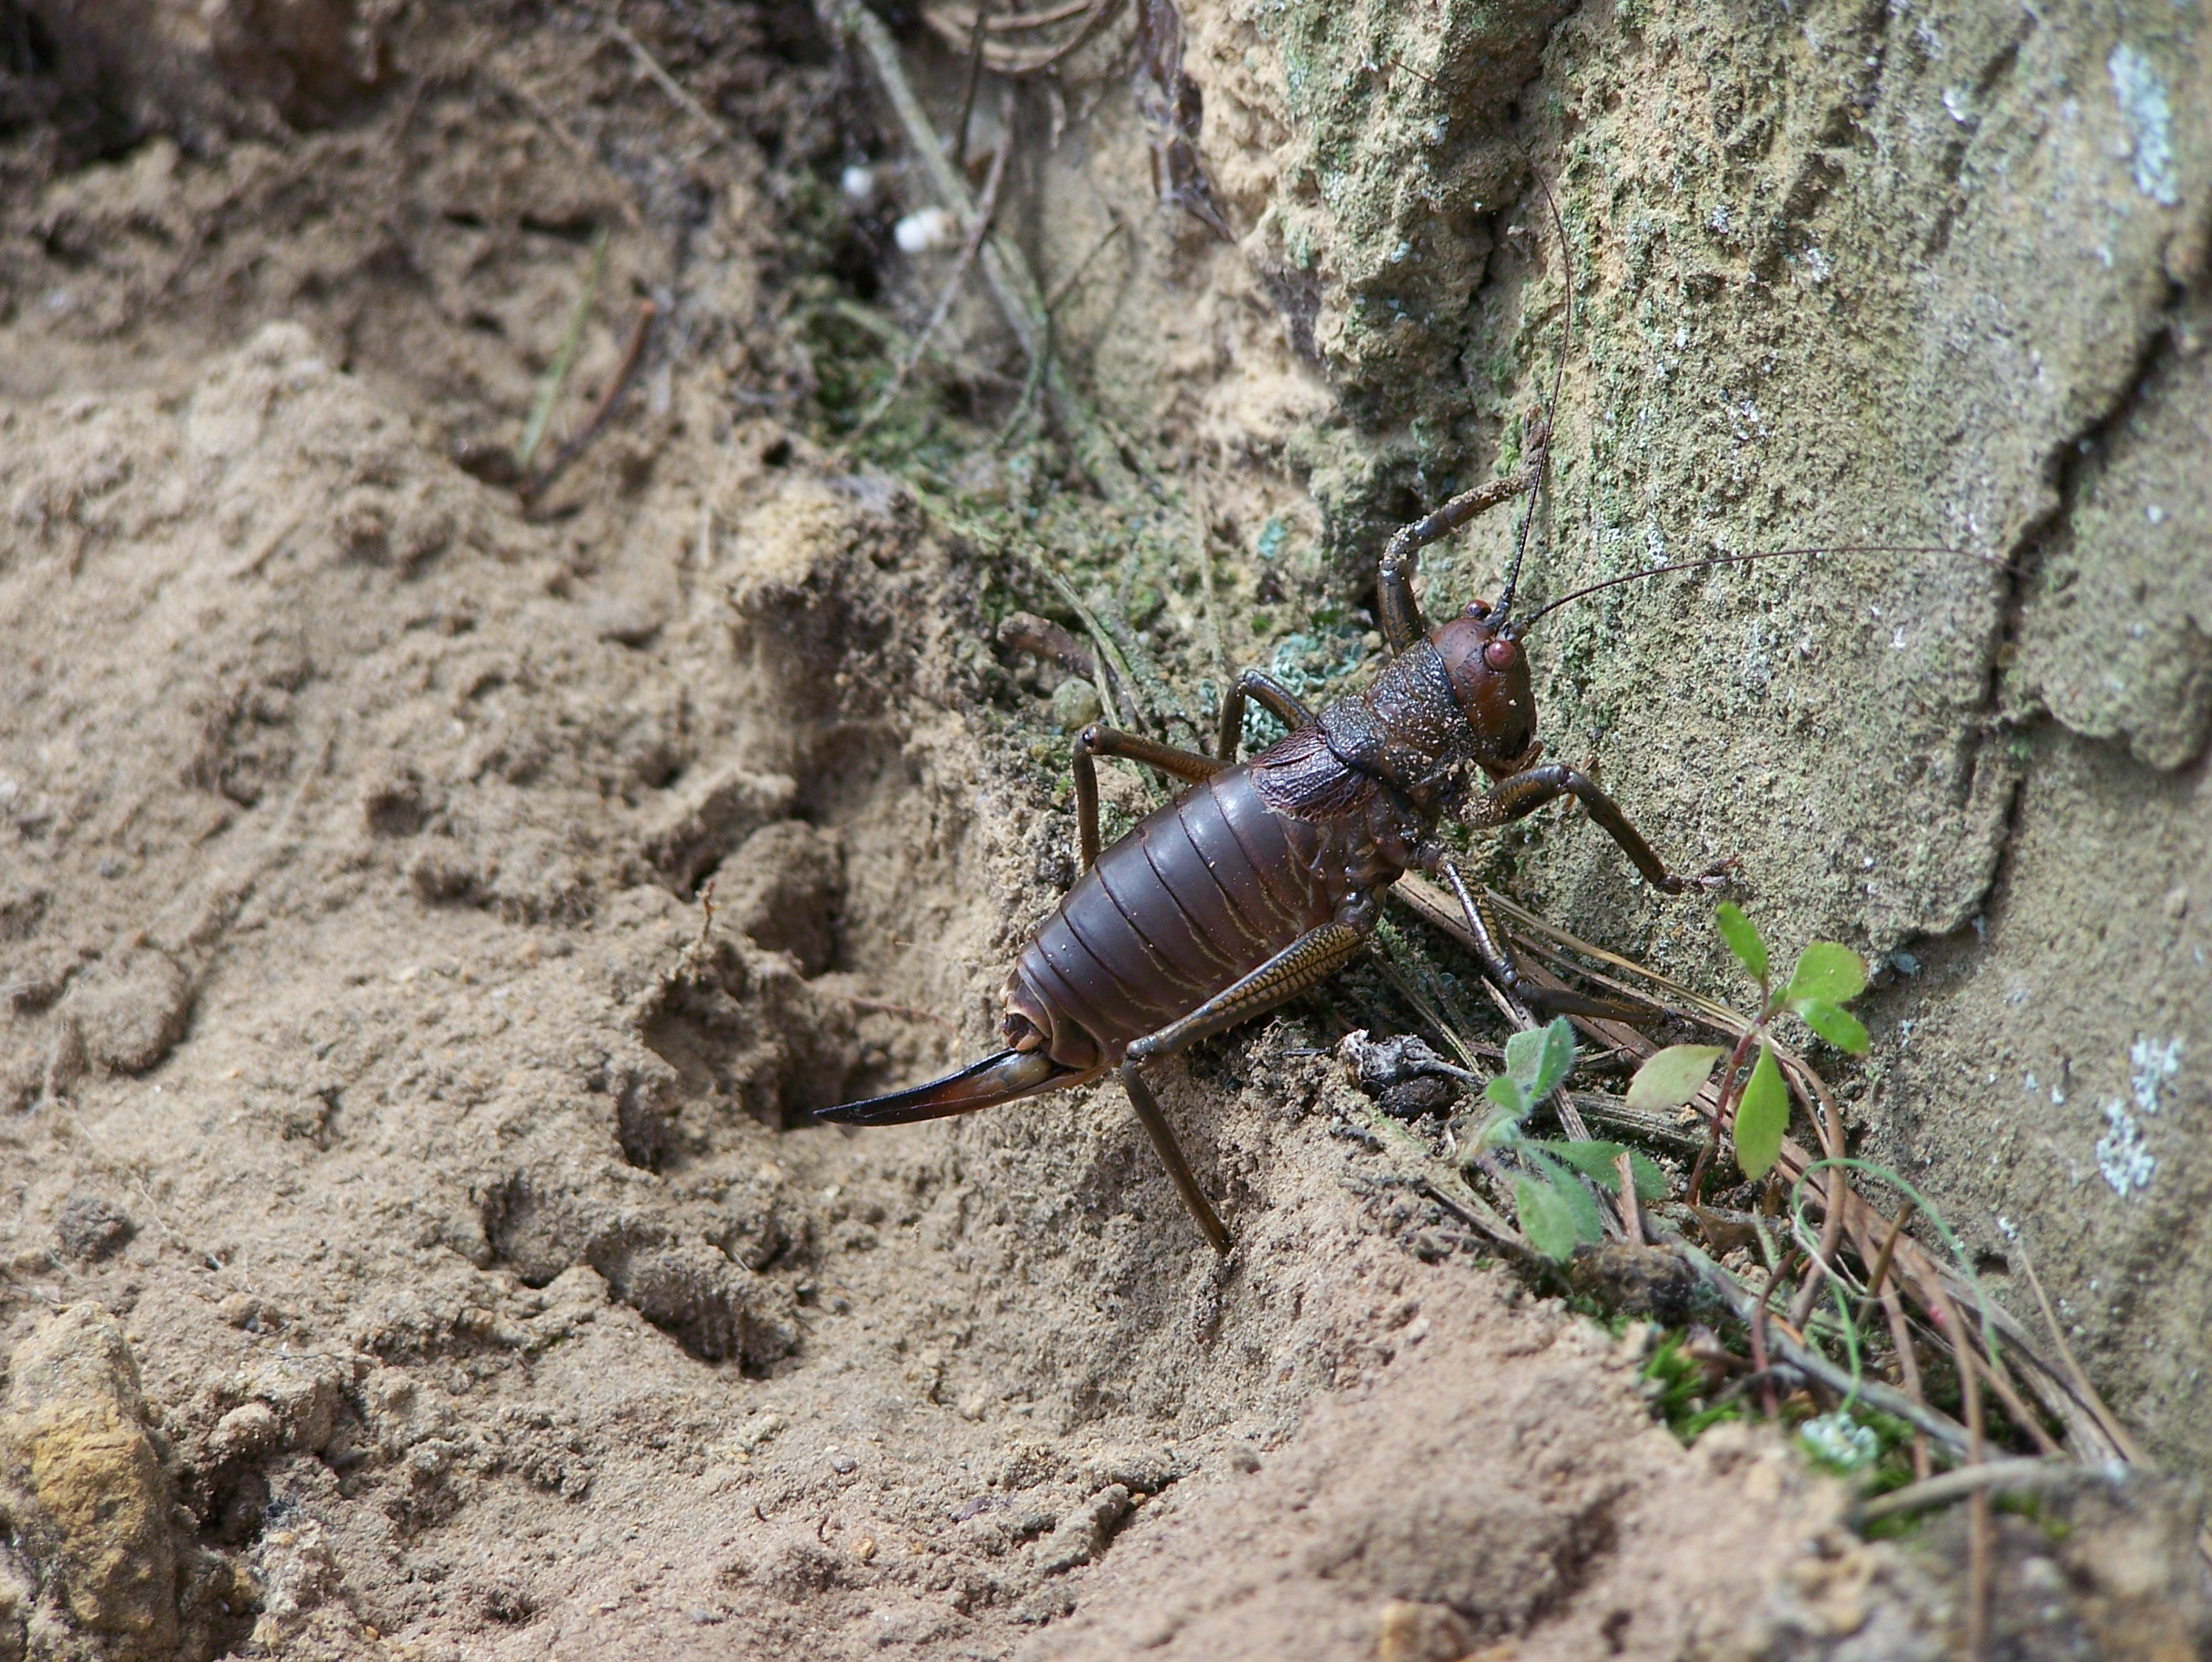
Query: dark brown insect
x: 1265, y: 877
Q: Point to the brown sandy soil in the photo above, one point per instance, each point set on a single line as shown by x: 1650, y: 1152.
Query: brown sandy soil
x: 411, y: 1244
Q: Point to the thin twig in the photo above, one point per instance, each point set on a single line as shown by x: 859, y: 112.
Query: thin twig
x: 1632, y: 1217
x: 1977, y: 1529
x: 1735, y: 1079
x: 2020, y: 1474
x: 1991, y: 1368
x: 957, y: 277
x: 1112, y: 667
x: 1908, y: 1374
x: 518, y: 89
x: 1060, y: 290
x: 1010, y: 61
x: 1758, y: 1315
x: 968, y: 92
x: 624, y: 373
x: 1202, y: 535
x: 1829, y: 1120
x: 1005, y: 267
x: 564, y: 356
x: 1881, y: 1262
x: 1444, y: 1184
x: 669, y: 84
x: 1939, y: 1426
x: 1548, y: 953
x: 1423, y: 1005
x: 2119, y: 1434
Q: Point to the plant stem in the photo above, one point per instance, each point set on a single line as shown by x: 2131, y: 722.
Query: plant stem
x: 1734, y: 1078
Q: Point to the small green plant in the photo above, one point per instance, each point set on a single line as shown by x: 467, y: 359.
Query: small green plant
x: 1675, y: 1384
x: 1827, y: 977
x: 1557, y: 1213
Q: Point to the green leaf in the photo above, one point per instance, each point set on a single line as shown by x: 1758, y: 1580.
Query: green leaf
x: 1557, y: 1213
x: 1502, y: 1093
x: 1673, y: 1077
x: 1594, y: 1159
x: 1501, y: 1131
x: 1761, y: 1118
x: 1524, y: 1056
x: 1742, y: 938
x: 1828, y: 970
x: 1556, y: 1060
x: 1834, y: 1023
x: 1536, y: 1061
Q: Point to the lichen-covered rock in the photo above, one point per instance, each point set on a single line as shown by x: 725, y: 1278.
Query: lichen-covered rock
x: 85, y: 1488
x: 1372, y: 145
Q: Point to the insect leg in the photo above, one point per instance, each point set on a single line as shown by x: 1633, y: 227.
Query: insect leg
x: 1313, y: 957
x: 1400, y: 614
x: 1487, y: 941
x: 1277, y: 700
x: 1164, y: 1143
x: 1525, y: 793
x: 1097, y: 741
x: 1483, y: 934
x: 1398, y: 611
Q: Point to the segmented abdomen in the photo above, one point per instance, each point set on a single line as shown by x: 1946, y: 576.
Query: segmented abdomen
x: 1201, y: 894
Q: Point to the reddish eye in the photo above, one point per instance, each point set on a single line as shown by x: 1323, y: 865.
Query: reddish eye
x: 1501, y: 654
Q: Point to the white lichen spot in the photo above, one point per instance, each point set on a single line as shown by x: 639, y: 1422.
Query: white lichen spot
x: 2126, y: 1164
x: 2149, y: 113
x: 2150, y: 1065
x: 1841, y: 1441
x: 932, y: 228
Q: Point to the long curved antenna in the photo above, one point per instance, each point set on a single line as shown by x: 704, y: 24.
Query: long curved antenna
x: 1530, y: 621
x: 1558, y: 380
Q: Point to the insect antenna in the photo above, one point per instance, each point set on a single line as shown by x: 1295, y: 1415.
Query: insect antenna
x: 1530, y: 621
x: 1504, y: 606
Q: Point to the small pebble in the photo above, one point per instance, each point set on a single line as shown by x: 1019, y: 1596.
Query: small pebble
x: 1075, y: 704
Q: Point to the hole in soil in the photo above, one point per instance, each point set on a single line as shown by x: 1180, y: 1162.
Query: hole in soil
x: 573, y: 228
x: 509, y: 1606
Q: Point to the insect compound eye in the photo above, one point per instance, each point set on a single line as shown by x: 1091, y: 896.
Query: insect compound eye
x: 1478, y: 609
x: 1502, y: 654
